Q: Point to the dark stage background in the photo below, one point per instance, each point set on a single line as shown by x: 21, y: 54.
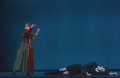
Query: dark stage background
x: 72, y: 31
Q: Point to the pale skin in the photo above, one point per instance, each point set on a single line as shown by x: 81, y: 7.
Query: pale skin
x: 27, y: 27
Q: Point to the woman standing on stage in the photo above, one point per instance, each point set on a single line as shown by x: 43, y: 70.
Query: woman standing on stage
x: 24, y: 60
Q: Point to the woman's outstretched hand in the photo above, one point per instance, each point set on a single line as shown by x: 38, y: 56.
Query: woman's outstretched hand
x: 38, y: 29
x: 33, y: 25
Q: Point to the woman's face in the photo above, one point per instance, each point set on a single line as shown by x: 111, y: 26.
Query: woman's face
x: 27, y: 26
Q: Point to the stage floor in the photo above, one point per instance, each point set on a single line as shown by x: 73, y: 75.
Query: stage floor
x: 41, y: 75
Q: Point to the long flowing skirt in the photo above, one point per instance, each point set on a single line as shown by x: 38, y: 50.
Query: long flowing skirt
x: 24, y: 60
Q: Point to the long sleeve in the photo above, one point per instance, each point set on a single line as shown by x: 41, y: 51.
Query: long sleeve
x: 28, y: 35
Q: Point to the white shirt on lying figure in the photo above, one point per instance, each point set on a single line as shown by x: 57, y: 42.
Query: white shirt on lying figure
x: 66, y: 72
x: 63, y: 69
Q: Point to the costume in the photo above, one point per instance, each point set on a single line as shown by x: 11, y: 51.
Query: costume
x: 24, y: 60
x: 80, y: 70
x: 72, y: 69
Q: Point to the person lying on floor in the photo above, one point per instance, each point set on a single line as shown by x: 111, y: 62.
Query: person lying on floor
x: 87, y: 69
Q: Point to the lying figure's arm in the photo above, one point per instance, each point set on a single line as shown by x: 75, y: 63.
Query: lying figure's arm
x: 88, y: 74
x: 113, y: 73
x: 63, y: 69
x: 66, y: 73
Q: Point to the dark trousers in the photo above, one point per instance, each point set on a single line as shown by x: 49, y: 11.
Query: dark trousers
x: 72, y: 69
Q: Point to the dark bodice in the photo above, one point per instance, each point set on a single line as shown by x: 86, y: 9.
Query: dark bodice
x: 28, y: 34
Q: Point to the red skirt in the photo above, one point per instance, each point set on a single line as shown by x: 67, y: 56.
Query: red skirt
x: 30, y: 62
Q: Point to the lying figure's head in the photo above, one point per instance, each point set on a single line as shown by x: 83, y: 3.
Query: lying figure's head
x: 101, y: 69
